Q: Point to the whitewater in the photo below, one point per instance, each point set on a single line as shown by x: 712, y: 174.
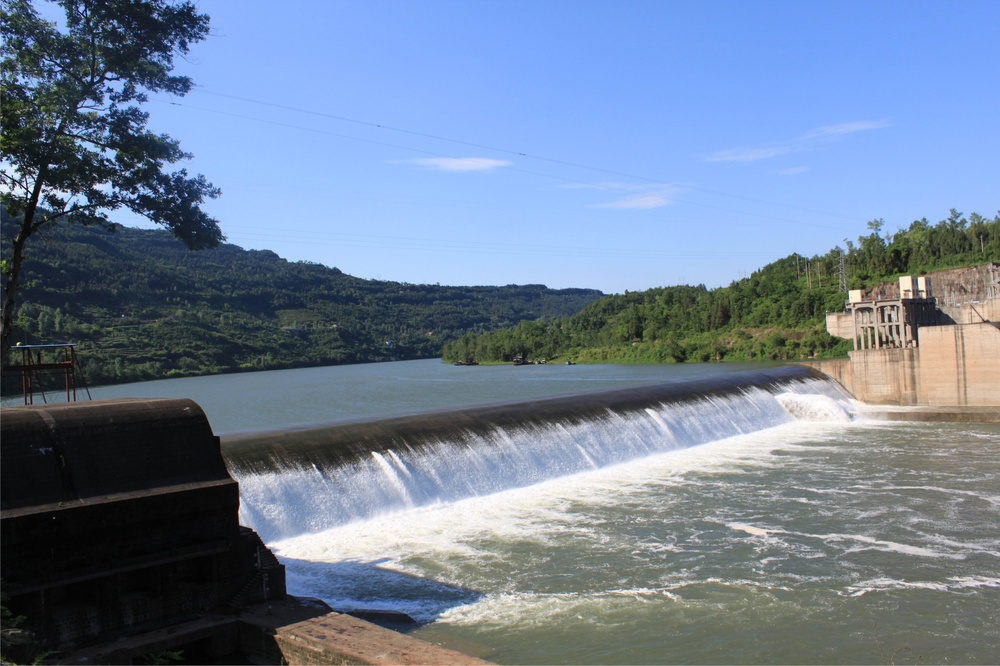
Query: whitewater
x: 769, y: 524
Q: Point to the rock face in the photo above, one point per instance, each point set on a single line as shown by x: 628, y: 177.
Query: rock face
x: 958, y: 286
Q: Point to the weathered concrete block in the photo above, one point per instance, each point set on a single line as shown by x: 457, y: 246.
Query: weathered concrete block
x: 118, y: 516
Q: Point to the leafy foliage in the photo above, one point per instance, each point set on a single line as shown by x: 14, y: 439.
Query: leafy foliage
x: 778, y: 313
x: 75, y: 145
x: 142, y: 307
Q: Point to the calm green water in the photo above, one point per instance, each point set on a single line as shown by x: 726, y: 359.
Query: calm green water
x: 812, y: 541
x: 282, y: 398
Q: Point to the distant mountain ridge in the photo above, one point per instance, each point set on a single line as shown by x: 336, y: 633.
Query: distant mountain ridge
x: 141, y: 306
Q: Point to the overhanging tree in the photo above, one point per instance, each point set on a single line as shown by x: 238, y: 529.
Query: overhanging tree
x: 74, y: 144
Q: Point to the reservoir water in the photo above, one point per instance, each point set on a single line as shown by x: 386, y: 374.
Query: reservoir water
x: 769, y: 524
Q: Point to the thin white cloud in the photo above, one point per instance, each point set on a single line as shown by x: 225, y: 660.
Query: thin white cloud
x: 803, y: 142
x: 750, y: 154
x: 638, y: 202
x: 843, y: 128
x: 458, y: 163
x: 640, y: 197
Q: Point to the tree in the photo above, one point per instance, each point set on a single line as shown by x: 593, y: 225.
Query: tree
x: 75, y: 145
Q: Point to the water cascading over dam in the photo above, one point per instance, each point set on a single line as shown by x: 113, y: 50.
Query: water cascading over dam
x: 301, y: 481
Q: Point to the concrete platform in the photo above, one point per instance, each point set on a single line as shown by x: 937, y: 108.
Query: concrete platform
x: 334, y: 638
x: 941, y: 414
x: 293, y: 630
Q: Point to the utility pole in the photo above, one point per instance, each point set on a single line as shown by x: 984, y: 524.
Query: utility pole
x: 843, y: 272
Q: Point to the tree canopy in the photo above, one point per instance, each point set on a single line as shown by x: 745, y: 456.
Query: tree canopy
x: 75, y: 143
x: 140, y: 306
x: 778, y: 313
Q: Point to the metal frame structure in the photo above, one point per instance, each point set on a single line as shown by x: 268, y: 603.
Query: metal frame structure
x: 33, y: 362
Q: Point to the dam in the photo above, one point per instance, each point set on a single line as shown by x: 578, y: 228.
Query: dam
x: 758, y: 515
x: 932, y: 341
x: 619, y: 515
x: 354, y: 471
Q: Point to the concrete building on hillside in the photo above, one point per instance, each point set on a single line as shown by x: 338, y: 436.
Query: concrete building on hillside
x: 932, y: 340
x: 880, y: 319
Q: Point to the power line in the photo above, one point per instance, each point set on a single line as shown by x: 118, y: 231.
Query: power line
x: 605, y: 186
x: 506, y: 151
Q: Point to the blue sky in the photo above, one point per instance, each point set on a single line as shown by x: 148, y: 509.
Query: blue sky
x: 619, y: 145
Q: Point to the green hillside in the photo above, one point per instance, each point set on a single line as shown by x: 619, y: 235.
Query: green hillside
x: 778, y: 313
x: 141, y: 306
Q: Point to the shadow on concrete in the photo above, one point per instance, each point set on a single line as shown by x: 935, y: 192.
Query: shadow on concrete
x: 370, y: 590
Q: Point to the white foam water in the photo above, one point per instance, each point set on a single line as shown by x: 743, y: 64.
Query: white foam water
x: 756, y: 528
x: 816, y: 407
x: 712, y: 544
x: 281, y: 505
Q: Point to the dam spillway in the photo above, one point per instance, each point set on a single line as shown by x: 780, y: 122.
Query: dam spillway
x: 505, y: 532
x: 299, y: 481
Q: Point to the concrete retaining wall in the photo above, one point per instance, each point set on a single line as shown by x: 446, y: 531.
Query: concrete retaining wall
x: 954, y: 366
x: 840, y: 325
x: 972, y: 313
x: 960, y: 365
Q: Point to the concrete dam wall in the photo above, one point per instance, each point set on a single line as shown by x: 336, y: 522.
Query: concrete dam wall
x: 952, y: 366
x: 949, y: 357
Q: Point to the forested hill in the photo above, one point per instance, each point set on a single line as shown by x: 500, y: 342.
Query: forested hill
x: 141, y: 306
x: 778, y: 313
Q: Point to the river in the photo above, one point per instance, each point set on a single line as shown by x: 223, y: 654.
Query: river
x: 769, y: 529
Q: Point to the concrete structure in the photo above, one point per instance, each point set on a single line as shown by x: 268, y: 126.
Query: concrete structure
x: 951, y: 358
x: 953, y: 366
x: 292, y: 630
x: 120, y: 516
x: 120, y: 539
x: 334, y: 638
x: 885, y: 317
